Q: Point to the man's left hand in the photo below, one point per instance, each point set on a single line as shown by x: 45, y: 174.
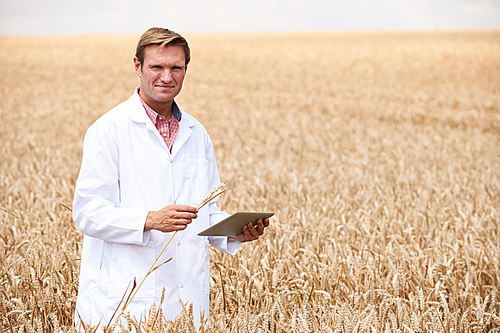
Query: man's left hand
x: 252, y: 232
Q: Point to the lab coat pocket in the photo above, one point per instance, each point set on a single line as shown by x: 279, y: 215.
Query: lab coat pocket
x: 129, y: 262
x: 198, y: 173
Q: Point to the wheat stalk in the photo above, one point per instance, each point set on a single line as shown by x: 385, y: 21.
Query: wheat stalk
x: 12, y: 214
x: 221, y: 188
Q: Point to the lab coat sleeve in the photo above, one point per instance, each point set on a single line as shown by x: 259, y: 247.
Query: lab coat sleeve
x: 226, y: 244
x: 96, y: 206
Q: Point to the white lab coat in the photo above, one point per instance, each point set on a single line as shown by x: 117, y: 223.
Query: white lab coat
x: 127, y: 171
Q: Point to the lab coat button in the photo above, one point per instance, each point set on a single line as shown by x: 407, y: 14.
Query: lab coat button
x: 178, y: 243
x: 182, y: 286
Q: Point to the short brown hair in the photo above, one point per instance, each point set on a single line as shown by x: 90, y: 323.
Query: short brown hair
x: 161, y: 37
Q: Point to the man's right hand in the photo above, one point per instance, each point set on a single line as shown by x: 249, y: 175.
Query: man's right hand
x: 170, y: 218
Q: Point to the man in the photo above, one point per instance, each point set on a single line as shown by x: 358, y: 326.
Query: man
x: 146, y: 165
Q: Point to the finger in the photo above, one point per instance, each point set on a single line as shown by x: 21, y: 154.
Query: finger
x: 182, y: 221
x: 260, y: 227
x: 252, y: 230
x: 185, y: 215
x: 180, y: 226
x: 185, y: 208
x: 266, y: 222
x: 248, y: 235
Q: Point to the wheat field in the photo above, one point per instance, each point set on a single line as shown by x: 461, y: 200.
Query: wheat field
x: 379, y: 153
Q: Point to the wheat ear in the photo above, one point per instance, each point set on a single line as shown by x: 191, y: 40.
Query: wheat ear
x: 214, y: 193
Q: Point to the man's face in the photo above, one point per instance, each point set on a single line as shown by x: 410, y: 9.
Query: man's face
x: 161, y: 74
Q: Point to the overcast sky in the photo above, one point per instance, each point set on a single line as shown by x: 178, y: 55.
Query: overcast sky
x: 67, y: 17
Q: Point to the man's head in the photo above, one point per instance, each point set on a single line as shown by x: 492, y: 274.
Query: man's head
x: 161, y: 37
x: 161, y: 64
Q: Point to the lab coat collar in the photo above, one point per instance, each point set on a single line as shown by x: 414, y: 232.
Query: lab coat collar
x: 139, y: 115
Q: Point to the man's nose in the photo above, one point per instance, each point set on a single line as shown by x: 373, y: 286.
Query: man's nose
x: 166, y: 75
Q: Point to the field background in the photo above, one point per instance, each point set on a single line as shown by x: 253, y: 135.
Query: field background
x: 379, y: 153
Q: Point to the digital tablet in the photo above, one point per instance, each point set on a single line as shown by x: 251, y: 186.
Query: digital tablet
x: 233, y: 225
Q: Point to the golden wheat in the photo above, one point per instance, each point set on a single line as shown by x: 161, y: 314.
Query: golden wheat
x: 379, y: 153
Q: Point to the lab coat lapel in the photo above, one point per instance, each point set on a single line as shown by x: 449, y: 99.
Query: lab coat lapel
x: 184, y: 133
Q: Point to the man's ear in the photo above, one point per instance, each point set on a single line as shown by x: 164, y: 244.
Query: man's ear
x: 137, y: 66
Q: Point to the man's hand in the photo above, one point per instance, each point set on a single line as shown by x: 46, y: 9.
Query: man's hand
x: 170, y: 218
x: 252, y: 232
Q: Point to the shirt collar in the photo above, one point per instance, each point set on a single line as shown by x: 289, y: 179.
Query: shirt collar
x: 176, y: 112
